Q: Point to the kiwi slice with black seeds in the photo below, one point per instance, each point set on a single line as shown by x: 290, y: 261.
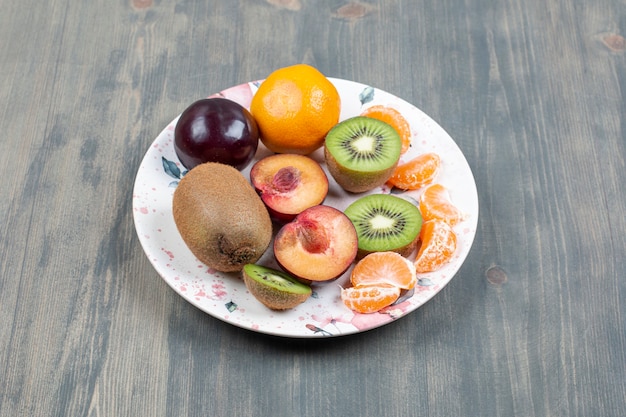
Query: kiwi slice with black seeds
x: 276, y: 289
x: 361, y: 153
x: 385, y: 222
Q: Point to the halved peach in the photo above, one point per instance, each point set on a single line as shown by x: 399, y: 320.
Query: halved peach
x: 289, y: 184
x: 320, y: 244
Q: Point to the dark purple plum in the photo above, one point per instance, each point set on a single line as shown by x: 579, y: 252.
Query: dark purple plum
x: 216, y: 130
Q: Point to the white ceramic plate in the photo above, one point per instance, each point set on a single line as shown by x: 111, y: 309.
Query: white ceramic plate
x: 225, y: 296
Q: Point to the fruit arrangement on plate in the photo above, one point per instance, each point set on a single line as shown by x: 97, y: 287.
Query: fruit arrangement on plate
x: 231, y: 221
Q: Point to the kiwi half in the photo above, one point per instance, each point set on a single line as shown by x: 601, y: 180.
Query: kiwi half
x: 361, y: 153
x: 276, y: 289
x: 385, y: 222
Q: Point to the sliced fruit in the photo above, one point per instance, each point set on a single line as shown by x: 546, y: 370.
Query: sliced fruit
x: 289, y: 184
x: 438, y: 244
x: 417, y: 173
x: 361, y: 153
x: 369, y: 298
x: 384, y: 267
x: 275, y: 289
x: 435, y: 204
x: 318, y: 245
x: 393, y: 117
x: 385, y: 223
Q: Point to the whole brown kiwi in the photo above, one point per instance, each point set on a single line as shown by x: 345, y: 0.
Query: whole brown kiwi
x: 220, y: 217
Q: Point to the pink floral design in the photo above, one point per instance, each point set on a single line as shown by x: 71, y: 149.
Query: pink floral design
x: 241, y: 94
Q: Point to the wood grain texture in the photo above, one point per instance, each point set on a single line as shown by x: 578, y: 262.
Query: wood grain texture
x: 534, y: 324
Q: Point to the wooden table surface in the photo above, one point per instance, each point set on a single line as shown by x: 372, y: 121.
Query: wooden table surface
x: 533, y: 324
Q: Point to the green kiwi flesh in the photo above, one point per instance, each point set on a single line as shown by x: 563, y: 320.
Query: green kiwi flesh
x: 385, y: 222
x: 361, y: 153
x: 275, y: 289
x: 220, y: 217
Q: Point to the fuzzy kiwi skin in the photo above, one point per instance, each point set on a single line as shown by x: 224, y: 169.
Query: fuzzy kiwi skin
x: 220, y: 217
x: 273, y: 298
x: 353, y: 181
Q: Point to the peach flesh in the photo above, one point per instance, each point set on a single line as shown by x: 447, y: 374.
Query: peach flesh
x: 320, y: 244
x: 289, y: 184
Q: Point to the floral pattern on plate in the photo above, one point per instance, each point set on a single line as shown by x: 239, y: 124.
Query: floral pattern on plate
x: 224, y: 295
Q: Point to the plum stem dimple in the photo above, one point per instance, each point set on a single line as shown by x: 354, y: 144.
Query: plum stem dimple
x: 286, y: 179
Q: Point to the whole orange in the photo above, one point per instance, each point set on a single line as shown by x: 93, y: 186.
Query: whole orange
x: 295, y: 107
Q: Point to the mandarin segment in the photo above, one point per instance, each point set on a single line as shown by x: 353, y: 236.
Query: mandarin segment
x: 394, y: 118
x: 417, y: 173
x: 439, y: 244
x: 435, y: 204
x: 384, y: 267
x: 369, y: 298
